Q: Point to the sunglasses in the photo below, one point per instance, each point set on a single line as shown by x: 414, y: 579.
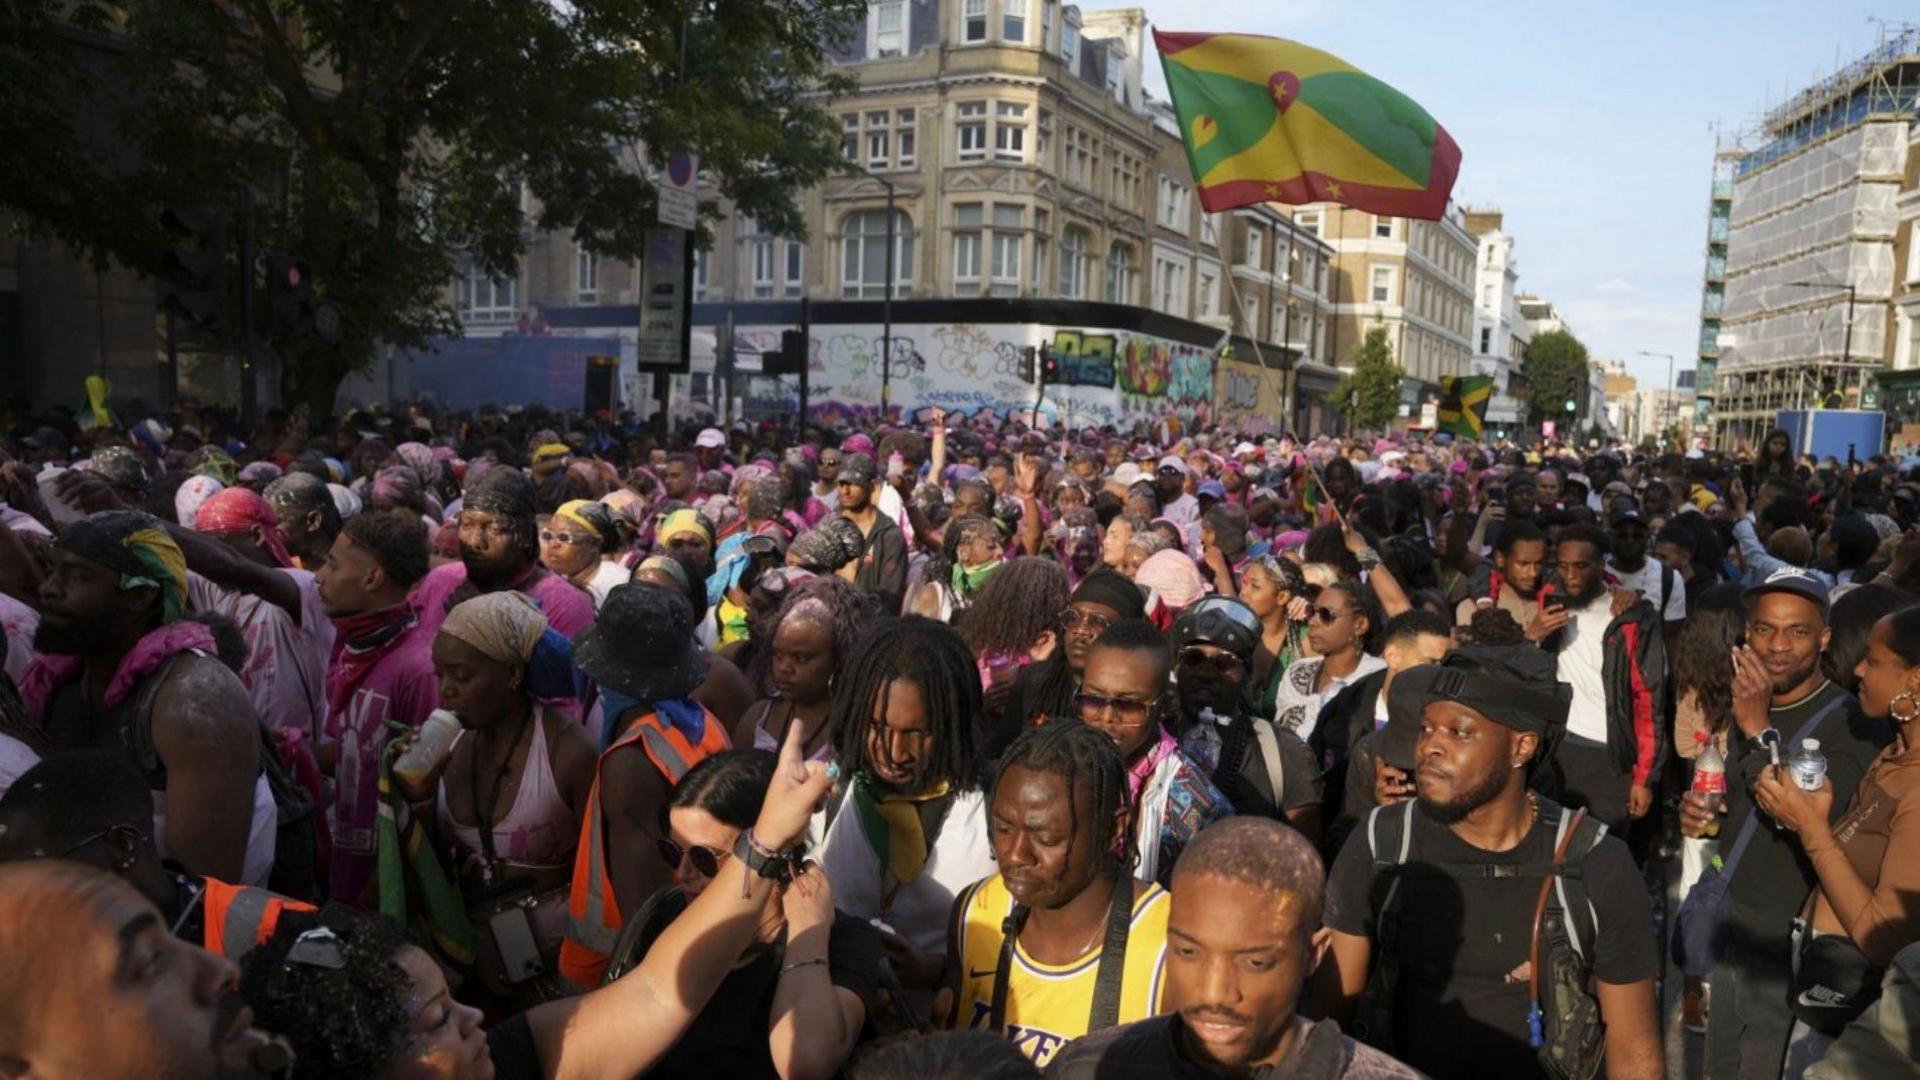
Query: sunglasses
x: 705, y: 859
x: 1198, y: 660
x: 1073, y: 620
x: 548, y: 537
x: 1326, y: 615
x: 1097, y: 705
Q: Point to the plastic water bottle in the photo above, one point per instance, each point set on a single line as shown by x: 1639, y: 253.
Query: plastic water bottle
x: 1710, y: 779
x: 429, y: 749
x: 1808, y: 765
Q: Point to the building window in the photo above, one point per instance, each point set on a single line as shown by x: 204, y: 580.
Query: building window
x: 761, y: 246
x: 700, y: 275
x: 973, y: 130
x: 877, y: 139
x: 1043, y: 140
x: 1119, y: 273
x: 1308, y: 222
x: 1046, y: 24
x: 1256, y: 245
x: 974, y: 21
x: 1380, y: 282
x: 886, y: 29
x: 1039, y: 261
x: 966, y: 247
x: 904, y: 122
x: 1209, y: 232
x: 483, y: 296
x: 1073, y: 263
x: 850, y: 136
x: 1080, y: 157
x: 1170, y: 287
x: 1070, y: 45
x: 586, y: 276
x: 1174, y: 202
x: 1913, y: 254
x: 796, y: 255
x: 1009, y: 222
x: 1486, y: 299
x: 1013, y: 21
x: 1486, y: 340
x: 863, y: 258
x: 1207, y: 296
x: 1010, y: 131
x: 1383, y: 228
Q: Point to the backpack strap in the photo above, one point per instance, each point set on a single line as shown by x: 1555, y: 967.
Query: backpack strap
x: 1105, y: 1012
x: 1562, y: 838
x: 1397, y: 831
x: 1583, y: 922
x: 1003, y: 968
x: 1269, y: 743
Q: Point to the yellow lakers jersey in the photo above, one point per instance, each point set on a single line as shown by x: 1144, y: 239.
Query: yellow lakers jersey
x: 1048, y: 1005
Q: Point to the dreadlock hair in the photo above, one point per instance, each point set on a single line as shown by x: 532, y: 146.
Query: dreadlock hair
x: 1076, y: 753
x: 929, y: 655
x: 1019, y: 603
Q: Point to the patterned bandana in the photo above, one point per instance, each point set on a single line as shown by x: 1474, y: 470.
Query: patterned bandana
x: 138, y: 547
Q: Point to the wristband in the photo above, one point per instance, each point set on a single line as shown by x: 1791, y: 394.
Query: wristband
x: 767, y: 862
x: 809, y: 962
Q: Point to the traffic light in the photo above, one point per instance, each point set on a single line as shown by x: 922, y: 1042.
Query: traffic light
x: 1050, y: 367
x: 1027, y: 356
x: 1573, y: 395
x: 789, y: 359
x: 195, y: 266
x: 288, y: 293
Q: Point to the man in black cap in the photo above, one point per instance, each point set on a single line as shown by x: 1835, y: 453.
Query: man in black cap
x: 641, y: 653
x: 1781, y: 698
x: 500, y: 549
x: 125, y: 471
x: 1263, y: 769
x: 883, y: 566
x: 46, y: 446
x: 1436, y: 905
x: 1628, y: 563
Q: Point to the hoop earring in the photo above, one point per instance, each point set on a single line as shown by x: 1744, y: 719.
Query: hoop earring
x: 1913, y: 711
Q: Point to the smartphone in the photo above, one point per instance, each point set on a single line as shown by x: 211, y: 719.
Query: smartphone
x: 513, y: 936
x: 1553, y: 602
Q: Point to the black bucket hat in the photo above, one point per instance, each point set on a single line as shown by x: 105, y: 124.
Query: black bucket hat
x: 641, y: 644
x: 1515, y: 686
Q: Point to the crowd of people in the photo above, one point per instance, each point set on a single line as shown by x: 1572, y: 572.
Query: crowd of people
x: 519, y: 743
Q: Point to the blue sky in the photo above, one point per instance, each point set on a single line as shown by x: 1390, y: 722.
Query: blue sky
x: 1587, y: 124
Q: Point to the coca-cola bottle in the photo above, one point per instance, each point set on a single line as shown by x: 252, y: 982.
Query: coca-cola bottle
x: 1710, y: 779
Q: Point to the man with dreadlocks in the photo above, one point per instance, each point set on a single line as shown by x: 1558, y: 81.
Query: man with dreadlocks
x: 500, y: 549
x: 1062, y: 941
x: 121, y: 668
x: 912, y: 830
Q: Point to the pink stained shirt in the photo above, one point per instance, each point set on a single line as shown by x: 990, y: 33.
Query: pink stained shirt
x: 398, y: 686
x: 568, y: 607
x: 286, y: 669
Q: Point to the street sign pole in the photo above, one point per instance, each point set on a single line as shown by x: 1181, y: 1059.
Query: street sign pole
x: 806, y: 366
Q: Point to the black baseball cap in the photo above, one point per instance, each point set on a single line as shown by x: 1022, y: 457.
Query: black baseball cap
x: 1793, y: 580
x: 1515, y: 686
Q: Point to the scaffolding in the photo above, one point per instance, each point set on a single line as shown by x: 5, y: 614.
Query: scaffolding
x: 1809, y: 263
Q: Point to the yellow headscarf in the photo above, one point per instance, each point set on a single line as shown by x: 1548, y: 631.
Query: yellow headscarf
x: 683, y: 521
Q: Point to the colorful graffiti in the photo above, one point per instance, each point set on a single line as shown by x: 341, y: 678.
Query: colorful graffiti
x: 1074, y: 358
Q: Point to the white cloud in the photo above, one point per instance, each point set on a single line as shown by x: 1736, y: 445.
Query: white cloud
x: 1614, y: 285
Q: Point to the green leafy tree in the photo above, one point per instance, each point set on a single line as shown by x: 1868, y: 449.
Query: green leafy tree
x: 387, y: 145
x: 1550, y: 360
x: 1377, y: 379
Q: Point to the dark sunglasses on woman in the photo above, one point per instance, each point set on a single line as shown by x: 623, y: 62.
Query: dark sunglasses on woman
x: 705, y: 859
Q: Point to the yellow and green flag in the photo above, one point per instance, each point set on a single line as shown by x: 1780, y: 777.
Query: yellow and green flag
x: 1463, y: 404
x: 1271, y: 120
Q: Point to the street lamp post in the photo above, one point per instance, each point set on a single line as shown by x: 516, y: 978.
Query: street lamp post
x: 1666, y: 408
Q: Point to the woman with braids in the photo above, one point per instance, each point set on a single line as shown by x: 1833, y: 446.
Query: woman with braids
x: 1032, y: 941
x: 1279, y: 595
x: 911, y: 832
x: 813, y: 636
x: 970, y: 553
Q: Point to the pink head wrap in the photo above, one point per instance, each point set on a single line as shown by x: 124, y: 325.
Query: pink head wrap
x: 1173, y: 577
x: 239, y: 509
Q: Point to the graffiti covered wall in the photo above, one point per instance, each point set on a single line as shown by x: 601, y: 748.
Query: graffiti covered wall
x: 1247, y: 397
x: 1117, y: 376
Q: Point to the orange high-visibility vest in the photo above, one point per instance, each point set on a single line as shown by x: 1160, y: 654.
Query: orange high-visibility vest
x: 593, y: 912
x: 238, y: 917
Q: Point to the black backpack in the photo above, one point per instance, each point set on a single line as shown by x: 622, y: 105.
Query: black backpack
x: 1564, y: 1021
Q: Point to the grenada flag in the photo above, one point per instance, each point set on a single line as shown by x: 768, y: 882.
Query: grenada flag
x: 1270, y: 120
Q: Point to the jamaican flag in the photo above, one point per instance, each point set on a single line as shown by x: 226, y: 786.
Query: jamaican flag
x: 1270, y: 120
x: 1463, y: 404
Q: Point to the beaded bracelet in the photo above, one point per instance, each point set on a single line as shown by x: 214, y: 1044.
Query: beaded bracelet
x: 803, y: 963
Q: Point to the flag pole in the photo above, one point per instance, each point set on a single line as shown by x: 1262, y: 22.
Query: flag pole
x: 1253, y: 338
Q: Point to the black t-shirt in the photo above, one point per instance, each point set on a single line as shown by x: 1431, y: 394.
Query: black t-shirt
x: 1152, y: 1048
x: 730, y: 1036
x: 1773, y: 877
x: 1242, y: 775
x: 1461, y: 1007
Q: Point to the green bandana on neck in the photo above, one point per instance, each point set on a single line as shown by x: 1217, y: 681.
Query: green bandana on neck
x: 967, y: 582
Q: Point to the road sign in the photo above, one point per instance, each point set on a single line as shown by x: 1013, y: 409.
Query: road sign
x: 678, y: 200
x: 666, y: 305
